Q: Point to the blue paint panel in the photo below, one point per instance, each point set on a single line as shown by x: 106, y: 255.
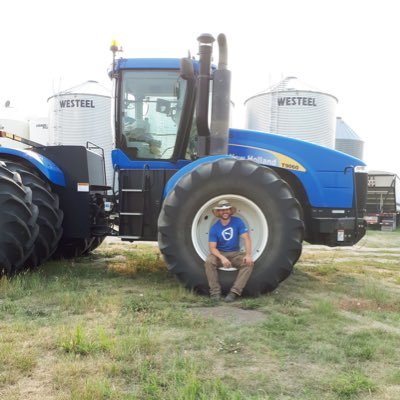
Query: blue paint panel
x: 148, y: 63
x: 325, y: 180
x: 43, y: 164
x: 151, y: 63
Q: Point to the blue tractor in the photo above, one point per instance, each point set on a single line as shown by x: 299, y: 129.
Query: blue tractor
x: 175, y: 157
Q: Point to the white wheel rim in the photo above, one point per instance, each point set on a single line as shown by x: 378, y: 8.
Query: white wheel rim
x: 246, y: 209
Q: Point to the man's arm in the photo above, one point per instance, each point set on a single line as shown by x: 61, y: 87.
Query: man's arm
x: 212, y: 246
x: 247, y: 246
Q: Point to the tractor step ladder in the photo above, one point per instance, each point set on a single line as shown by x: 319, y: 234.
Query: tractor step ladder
x: 132, y: 202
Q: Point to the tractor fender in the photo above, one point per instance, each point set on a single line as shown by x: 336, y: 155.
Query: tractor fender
x: 187, y: 169
x: 43, y: 164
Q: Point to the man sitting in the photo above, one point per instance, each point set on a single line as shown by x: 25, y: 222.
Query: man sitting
x: 224, y: 245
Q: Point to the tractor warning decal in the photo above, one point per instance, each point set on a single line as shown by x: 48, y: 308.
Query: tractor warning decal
x: 264, y: 157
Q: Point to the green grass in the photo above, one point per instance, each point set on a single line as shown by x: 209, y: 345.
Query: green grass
x: 117, y: 325
x: 347, y: 385
x: 77, y: 343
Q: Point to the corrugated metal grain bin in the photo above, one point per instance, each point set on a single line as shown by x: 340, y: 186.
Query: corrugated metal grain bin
x: 347, y: 141
x: 293, y: 109
x: 82, y: 114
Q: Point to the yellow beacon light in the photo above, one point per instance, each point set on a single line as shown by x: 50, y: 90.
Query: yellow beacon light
x: 114, y: 46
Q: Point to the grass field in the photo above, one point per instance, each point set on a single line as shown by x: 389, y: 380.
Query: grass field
x: 116, y: 325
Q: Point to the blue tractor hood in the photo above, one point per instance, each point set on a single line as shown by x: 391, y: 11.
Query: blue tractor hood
x: 289, y: 153
x: 326, y: 174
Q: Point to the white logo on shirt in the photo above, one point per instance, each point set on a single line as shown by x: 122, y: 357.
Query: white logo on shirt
x: 227, y: 234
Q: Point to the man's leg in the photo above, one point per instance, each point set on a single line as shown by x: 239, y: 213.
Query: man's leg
x: 211, y: 265
x: 244, y: 273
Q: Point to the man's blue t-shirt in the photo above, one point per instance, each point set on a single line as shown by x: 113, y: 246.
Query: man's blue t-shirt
x: 227, y: 237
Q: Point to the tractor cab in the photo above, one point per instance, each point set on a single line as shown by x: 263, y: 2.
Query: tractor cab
x: 161, y: 109
x: 153, y: 110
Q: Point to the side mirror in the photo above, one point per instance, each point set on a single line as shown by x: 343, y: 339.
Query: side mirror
x: 186, y: 69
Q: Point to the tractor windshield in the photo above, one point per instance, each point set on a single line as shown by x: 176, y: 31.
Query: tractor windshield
x: 150, y: 111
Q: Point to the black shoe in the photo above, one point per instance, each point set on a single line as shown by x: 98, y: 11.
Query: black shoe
x: 215, y: 297
x: 231, y: 297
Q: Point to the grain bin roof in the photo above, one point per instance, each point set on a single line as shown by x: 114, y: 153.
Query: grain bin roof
x: 88, y: 87
x: 291, y: 84
x: 343, y: 131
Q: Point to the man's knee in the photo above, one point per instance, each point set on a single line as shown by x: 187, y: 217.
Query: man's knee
x: 211, y: 261
x: 238, y: 260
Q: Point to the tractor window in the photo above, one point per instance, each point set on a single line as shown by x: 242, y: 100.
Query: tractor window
x: 150, y: 109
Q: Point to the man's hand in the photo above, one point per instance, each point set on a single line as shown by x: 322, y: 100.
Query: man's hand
x: 225, y: 262
x: 247, y: 245
x: 248, y: 260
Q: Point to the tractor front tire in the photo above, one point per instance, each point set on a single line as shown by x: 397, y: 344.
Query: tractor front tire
x: 18, y: 217
x: 263, y: 200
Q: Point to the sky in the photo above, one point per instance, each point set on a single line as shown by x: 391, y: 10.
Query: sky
x: 347, y: 48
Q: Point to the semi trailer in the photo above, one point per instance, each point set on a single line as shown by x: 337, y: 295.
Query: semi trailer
x: 383, y: 200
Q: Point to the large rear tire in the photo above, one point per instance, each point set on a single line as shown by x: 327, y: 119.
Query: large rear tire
x: 50, y: 216
x: 263, y: 200
x: 18, y: 216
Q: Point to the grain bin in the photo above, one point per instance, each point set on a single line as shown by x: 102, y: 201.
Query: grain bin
x: 292, y: 108
x: 13, y: 121
x: 347, y: 141
x: 83, y: 114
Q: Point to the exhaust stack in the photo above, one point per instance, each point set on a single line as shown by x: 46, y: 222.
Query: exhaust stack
x: 205, y: 50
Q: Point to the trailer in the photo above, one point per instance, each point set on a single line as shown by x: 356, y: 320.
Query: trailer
x: 383, y: 200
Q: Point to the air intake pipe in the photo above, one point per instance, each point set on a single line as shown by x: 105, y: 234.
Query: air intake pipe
x: 221, y: 101
x: 215, y: 140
